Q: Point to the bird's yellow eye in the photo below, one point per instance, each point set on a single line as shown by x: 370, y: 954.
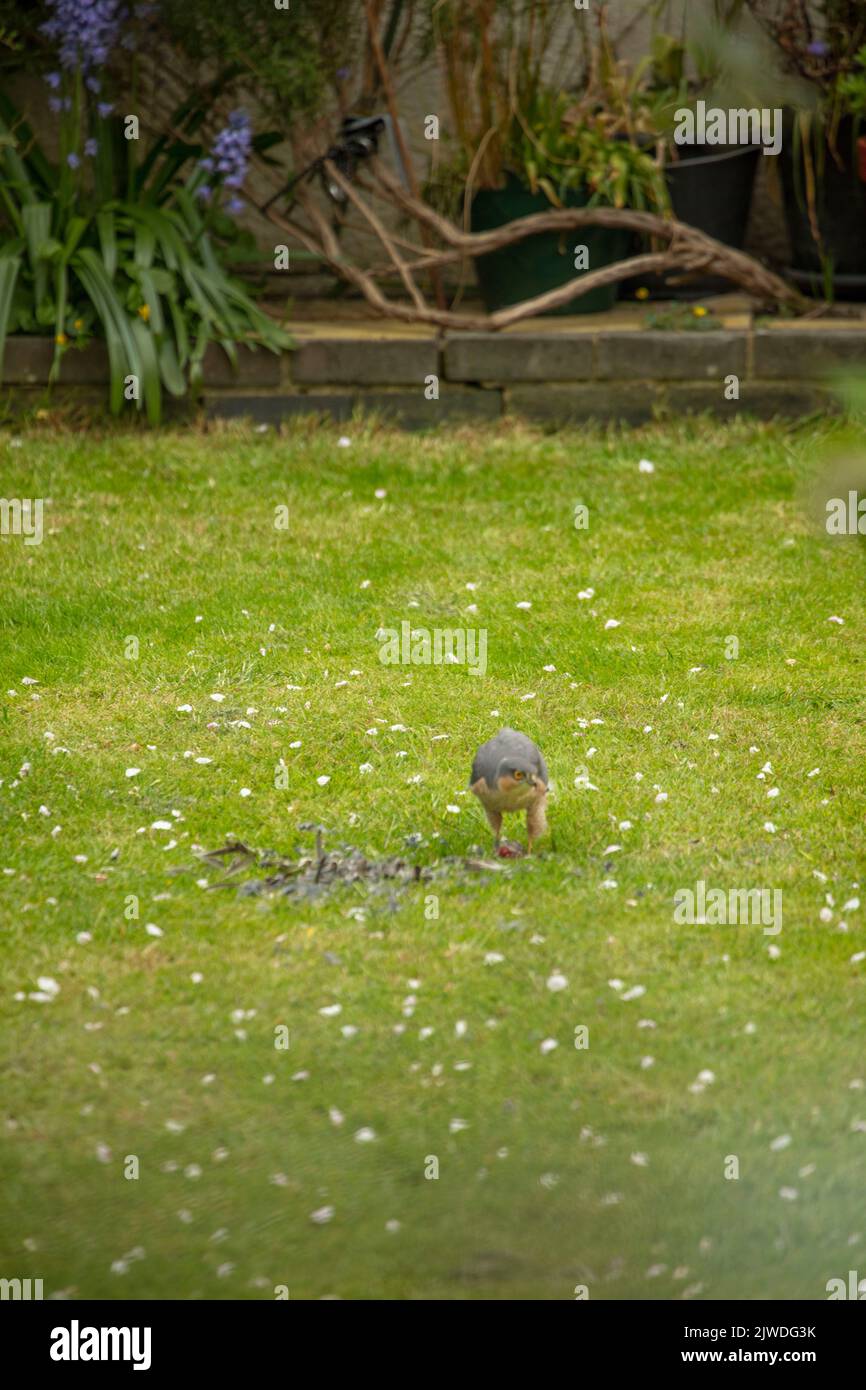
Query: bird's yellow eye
x: 518, y: 775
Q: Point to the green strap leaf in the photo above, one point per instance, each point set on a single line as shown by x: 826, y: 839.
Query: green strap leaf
x: 9, y: 268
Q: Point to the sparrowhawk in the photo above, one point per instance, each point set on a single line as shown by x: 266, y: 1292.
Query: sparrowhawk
x: 509, y: 774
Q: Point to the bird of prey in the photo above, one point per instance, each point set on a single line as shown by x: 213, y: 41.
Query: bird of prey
x: 509, y: 774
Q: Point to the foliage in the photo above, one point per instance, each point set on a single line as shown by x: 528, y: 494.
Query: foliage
x: 824, y: 44
x: 684, y: 318
x: 506, y: 117
x: 104, y: 240
x: 559, y: 148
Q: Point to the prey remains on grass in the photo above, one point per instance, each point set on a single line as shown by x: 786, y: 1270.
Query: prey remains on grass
x: 319, y: 874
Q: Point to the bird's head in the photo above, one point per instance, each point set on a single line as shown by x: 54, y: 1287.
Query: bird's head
x: 516, y: 772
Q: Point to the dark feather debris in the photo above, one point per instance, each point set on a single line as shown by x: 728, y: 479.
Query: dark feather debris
x: 320, y: 872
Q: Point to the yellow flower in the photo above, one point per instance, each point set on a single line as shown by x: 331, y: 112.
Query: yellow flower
x: 78, y: 325
x: 642, y: 293
x: 699, y: 311
x: 144, y: 312
x: 62, y: 339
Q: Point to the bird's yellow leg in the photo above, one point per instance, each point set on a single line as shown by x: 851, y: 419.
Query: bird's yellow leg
x: 495, y: 819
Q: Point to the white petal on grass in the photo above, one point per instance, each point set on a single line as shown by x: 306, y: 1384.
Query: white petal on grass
x: 645, y: 466
x: 549, y: 1045
x: 780, y: 1142
x: 556, y: 982
x: 322, y: 1215
x: 323, y: 780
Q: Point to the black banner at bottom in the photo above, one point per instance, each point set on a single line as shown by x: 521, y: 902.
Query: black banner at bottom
x: 74, y: 1338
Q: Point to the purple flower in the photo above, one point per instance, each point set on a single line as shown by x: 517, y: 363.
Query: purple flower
x: 235, y: 205
x: 55, y: 105
x: 90, y: 147
x: 85, y: 31
x: 818, y: 49
x: 203, y: 192
x: 104, y: 109
x: 230, y: 155
x: 53, y: 79
x: 72, y: 160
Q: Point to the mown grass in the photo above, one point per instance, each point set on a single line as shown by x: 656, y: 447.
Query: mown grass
x: 147, y: 534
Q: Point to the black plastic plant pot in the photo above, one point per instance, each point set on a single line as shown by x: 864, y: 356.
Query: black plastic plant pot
x: 710, y: 191
x: 544, y: 262
x: 840, y: 212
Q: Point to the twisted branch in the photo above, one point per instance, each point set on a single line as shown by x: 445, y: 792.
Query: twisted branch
x: 683, y: 248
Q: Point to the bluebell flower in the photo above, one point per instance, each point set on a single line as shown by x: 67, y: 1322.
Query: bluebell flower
x: 72, y: 160
x: 105, y: 108
x: 818, y: 49
x: 53, y: 79
x: 90, y: 147
x: 230, y: 154
x: 85, y: 31
x: 235, y: 205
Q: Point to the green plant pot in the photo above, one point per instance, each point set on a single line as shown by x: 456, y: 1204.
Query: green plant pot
x: 529, y: 268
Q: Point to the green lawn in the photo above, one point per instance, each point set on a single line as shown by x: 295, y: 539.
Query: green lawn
x: 170, y: 539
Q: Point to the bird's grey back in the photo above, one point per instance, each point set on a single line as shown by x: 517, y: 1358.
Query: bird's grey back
x: 508, y: 743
